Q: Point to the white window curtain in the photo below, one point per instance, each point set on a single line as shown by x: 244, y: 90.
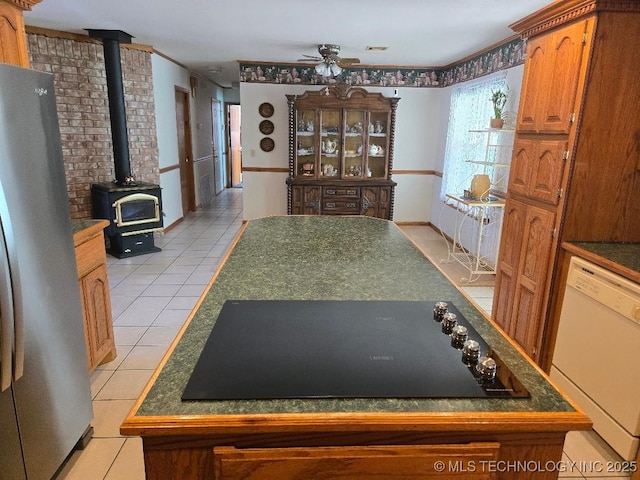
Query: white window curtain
x: 471, y: 109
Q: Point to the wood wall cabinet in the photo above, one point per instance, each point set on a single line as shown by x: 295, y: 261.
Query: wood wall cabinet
x: 537, y: 168
x: 574, y: 170
x: 341, y: 152
x: 13, y: 41
x: 91, y: 260
x: 551, y: 82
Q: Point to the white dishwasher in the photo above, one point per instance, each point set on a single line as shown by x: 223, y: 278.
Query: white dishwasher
x: 596, y: 359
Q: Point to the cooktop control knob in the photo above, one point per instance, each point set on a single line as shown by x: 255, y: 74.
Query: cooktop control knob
x: 470, y: 352
x: 487, y: 368
x: 439, y: 309
x: 449, y: 320
x: 459, y: 335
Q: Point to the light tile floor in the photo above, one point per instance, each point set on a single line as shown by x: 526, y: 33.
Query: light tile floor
x: 152, y: 296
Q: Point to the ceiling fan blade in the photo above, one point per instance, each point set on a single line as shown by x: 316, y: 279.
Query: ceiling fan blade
x: 311, y: 57
x: 348, y: 61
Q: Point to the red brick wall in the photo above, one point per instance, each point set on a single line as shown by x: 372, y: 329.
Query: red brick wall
x: 83, y: 110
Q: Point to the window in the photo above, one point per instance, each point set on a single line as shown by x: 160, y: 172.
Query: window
x: 471, y: 109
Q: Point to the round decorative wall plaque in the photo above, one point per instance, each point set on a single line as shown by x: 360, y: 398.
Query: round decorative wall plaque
x: 267, y: 144
x: 266, y: 127
x: 265, y: 109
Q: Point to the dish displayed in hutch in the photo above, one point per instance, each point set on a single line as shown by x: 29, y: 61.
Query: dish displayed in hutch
x: 341, y: 152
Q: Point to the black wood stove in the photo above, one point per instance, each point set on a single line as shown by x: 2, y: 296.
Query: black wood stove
x: 134, y: 212
x: 133, y: 208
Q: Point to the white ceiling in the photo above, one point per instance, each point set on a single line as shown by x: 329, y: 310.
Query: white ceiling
x: 202, y: 34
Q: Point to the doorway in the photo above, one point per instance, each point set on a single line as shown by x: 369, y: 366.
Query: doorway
x: 185, y: 151
x: 216, y: 144
x: 234, y: 167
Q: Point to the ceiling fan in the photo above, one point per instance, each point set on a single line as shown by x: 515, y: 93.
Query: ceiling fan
x: 330, y: 61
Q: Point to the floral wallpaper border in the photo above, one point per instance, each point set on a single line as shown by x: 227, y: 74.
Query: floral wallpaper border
x: 498, y: 58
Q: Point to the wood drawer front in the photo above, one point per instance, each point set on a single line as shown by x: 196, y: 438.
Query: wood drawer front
x: 90, y: 254
x: 344, y: 192
x: 404, y: 462
x: 338, y: 206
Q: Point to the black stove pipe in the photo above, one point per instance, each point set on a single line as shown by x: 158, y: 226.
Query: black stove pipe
x: 111, y: 40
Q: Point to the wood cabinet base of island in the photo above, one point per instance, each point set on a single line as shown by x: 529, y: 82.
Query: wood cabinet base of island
x: 91, y: 261
x: 417, y: 452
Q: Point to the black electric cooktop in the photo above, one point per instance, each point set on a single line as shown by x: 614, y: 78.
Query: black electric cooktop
x: 276, y: 349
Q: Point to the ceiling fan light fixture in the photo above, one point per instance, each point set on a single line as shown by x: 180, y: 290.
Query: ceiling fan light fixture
x: 326, y: 69
x: 322, y: 69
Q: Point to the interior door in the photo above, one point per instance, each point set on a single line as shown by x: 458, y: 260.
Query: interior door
x: 185, y: 152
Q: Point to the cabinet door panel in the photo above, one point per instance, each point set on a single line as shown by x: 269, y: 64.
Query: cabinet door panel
x: 384, y: 203
x: 534, y: 78
x: 503, y: 296
x: 567, y: 48
x: 97, y: 309
x: 330, y: 145
x: 521, y: 165
x: 370, y: 201
x: 546, y: 172
x: 311, y: 200
x: 550, y: 85
x: 532, y: 273
x: 306, y: 153
x: 510, y: 245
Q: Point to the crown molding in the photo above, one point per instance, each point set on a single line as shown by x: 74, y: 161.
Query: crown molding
x: 564, y: 11
x: 23, y: 4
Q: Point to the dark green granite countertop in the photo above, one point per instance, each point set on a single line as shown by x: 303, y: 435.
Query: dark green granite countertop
x: 339, y: 258
x: 626, y: 255
x: 83, y: 224
x: 85, y: 229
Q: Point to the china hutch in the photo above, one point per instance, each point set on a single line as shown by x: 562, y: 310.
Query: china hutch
x: 575, y: 169
x: 341, y: 152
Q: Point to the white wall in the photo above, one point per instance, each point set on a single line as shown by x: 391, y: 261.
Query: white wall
x: 418, y: 129
x: 167, y: 75
x: 265, y: 193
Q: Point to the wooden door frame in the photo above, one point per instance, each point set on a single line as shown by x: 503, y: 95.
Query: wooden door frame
x: 187, y: 166
x: 219, y: 159
x: 229, y: 156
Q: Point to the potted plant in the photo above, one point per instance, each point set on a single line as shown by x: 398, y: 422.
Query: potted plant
x: 499, y: 99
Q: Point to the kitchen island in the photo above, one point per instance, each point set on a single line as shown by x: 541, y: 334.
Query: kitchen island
x: 343, y: 258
